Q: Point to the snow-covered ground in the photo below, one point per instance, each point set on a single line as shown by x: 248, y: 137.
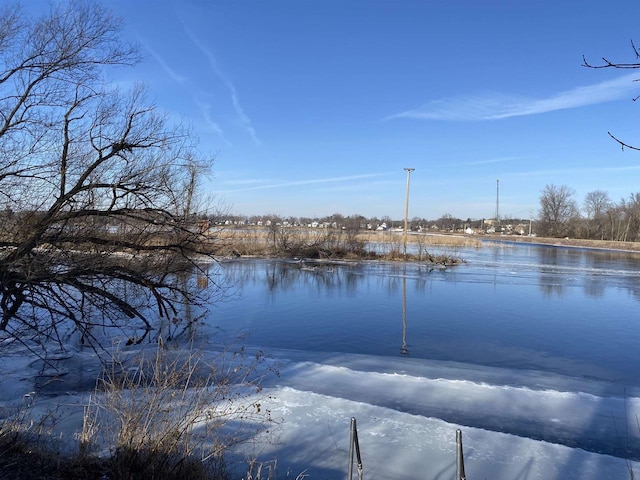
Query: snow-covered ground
x: 515, y: 424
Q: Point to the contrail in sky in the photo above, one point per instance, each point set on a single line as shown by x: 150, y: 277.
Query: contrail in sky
x: 496, y: 106
x: 213, y: 63
x: 305, y: 182
x: 170, y: 71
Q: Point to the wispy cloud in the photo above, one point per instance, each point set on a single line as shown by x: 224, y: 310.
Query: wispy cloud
x: 297, y: 183
x: 496, y: 106
x: 247, y: 181
x: 165, y: 66
x: 494, y: 160
x: 551, y: 174
x: 212, y: 124
x: 245, y: 121
x: 181, y: 79
x: 579, y: 171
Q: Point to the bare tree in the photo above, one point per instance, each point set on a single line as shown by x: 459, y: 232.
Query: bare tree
x: 606, y: 63
x: 97, y: 189
x: 615, y: 223
x: 557, y: 210
x: 596, y: 204
x: 631, y: 211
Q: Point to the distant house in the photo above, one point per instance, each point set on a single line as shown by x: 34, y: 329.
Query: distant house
x: 521, y: 229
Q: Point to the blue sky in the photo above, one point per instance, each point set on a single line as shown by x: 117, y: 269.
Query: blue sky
x: 315, y: 107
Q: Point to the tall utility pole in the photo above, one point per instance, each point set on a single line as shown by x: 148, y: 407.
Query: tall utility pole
x: 497, y: 202
x: 406, y: 209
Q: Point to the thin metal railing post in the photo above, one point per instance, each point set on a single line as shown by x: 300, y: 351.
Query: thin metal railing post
x: 352, y: 432
x: 354, y: 446
x: 358, y: 458
x: 460, y: 475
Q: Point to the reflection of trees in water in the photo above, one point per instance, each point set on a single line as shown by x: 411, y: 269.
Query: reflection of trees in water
x: 549, y: 278
x: 623, y: 261
x: 393, y: 283
x: 351, y: 281
x: 549, y: 288
x: 280, y: 277
x: 600, y: 269
x: 285, y: 276
x: 183, y: 324
x: 548, y: 255
x: 632, y: 284
x: 194, y: 292
x: 241, y: 272
x: 594, y: 287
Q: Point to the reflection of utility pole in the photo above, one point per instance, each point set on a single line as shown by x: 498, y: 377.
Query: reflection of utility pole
x: 404, y: 350
x: 406, y: 210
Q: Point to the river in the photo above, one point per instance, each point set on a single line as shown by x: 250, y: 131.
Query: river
x: 554, y: 309
x: 531, y: 351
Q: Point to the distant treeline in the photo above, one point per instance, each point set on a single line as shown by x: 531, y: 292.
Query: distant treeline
x: 559, y: 215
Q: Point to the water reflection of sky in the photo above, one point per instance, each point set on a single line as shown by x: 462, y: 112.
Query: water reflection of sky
x: 545, y: 308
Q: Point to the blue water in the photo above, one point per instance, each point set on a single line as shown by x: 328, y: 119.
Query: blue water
x: 537, y: 342
x: 561, y: 310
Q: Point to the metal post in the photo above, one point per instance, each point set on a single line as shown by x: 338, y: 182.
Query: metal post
x: 354, y: 446
x: 352, y: 432
x: 406, y: 210
x: 497, y: 202
x: 460, y: 475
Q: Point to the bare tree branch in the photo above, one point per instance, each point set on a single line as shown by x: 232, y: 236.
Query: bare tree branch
x: 618, y: 65
x: 98, y: 191
x: 622, y: 144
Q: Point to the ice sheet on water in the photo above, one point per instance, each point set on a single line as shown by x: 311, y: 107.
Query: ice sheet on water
x: 314, y: 438
x: 573, y: 412
x: 516, y: 424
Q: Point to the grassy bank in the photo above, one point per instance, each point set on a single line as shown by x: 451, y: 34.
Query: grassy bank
x: 337, y: 244
x: 572, y: 242
x: 328, y: 244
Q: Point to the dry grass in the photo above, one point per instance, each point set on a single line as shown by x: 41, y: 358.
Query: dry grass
x: 439, y: 240
x: 167, y: 415
x: 164, y: 416
x: 314, y: 243
x: 31, y: 450
x: 259, y: 240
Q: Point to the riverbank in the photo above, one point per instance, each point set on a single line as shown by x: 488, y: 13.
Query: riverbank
x: 331, y: 244
x: 568, y: 242
x: 260, y: 240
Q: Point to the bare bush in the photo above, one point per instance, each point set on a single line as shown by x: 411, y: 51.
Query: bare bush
x: 173, y: 414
